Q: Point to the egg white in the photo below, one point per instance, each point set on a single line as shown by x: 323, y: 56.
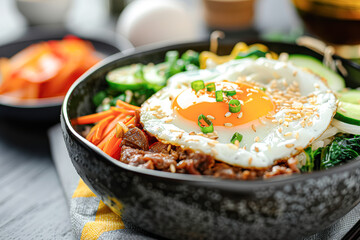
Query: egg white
x: 159, y: 119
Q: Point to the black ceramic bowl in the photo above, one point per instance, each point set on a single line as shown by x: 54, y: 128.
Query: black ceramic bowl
x: 179, y: 206
x: 42, y: 110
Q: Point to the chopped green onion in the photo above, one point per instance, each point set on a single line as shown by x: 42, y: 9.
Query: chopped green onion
x: 230, y: 93
x: 197, y: 85
x: 236, y: 108
x: 203, y: 127
x: 236, y: 136
x: 171, y: 56
x: 219, y: 96
x: 210, y: 87
x: 263, y: 89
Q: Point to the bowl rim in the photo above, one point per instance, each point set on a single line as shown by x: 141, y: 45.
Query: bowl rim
x: 203, y: 180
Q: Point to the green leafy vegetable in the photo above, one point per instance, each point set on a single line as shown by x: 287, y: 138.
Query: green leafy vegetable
x: 342, y: 149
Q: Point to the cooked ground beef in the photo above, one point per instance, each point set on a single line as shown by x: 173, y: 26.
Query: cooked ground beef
x: 160, y: 156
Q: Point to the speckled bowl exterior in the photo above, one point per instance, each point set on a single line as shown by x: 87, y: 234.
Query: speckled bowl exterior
x: 179, y: 206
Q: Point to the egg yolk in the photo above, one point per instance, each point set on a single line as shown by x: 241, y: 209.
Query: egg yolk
x: 254, y: 104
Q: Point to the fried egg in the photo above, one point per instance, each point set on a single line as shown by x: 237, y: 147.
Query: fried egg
x: 283, y: 110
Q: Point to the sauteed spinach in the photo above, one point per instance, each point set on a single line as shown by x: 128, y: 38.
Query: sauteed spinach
x: 342, y: 149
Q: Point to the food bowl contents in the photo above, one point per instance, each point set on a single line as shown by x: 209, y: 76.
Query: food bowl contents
x: 249, y: 115
x: 137, y: 82
x: 45, y: 70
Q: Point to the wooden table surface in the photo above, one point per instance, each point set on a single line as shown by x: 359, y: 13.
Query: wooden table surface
x: 32, y: 202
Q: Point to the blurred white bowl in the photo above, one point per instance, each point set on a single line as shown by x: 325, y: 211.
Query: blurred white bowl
x: 39, y: 12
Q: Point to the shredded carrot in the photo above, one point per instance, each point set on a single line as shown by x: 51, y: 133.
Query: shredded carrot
x: 115, y: 149
x: 103, y: 133
x: 100, y: 130
x: 110, y: 144
x: 112, y: 124
x: 123, y: 110
x: 92, y: 118
x: 126, y: 105
x: 131, y: 121
x: 112, y: 134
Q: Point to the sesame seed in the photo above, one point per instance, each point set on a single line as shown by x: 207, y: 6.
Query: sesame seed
x: 256, y: 139
x: 269, y: 117
x: 227, y: 124
x: 169, y: 148
x: 241, y: 102
x: 237, y: 143
x: 172, y: 168
x: 280, y: 130
x: 299, y: 148
x: 210, y: 117
x: 228, y: 114
x: 288, y: 134
x: 174, y: 130
x: 249, y: 94
x: 254, y: 91
x: 274, y: 121
x: 295, y: 73
x: 253, y: 127
x: 250, y: 160
x: 256, y: 149
x: 266, y: 98
x: 168, y: 120
x: 297, y: 135
x: 289, y: 145
x: 192, y: 133
x: 281, y: 120
x: 240, y: 115
x: 286, y: 124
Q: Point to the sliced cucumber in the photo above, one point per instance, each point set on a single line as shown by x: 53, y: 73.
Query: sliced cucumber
x: 349, y: 107
x: 349, y: 96
x: 156, y: 74
x: 334, y: 80
x: 126, y: 78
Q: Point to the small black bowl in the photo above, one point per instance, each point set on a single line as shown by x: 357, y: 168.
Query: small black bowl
x: 42, y: 110
x: 180, y: 206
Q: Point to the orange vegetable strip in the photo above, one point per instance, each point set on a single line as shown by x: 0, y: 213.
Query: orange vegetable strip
x: 117, y: 153
x: 125, y: 105
x: 110, y: 144
x: 131, y: 121
x: 91, y: 134
x: 92, y: 118
x: 99, y: 133
x: 123, y: 110
x: 115, y: 148
x: 113, y: 123
x: 112, y: 134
